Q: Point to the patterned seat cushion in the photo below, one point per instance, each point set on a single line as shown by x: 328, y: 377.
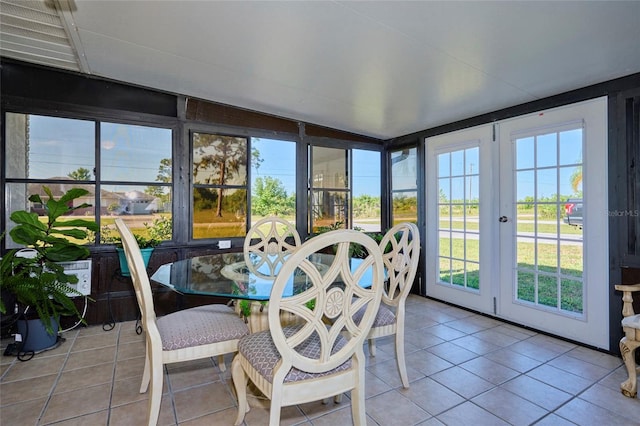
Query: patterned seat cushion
x: 385, y: 316
x: 201, y: 325
x: 262, y: 354
x: 632, y: 321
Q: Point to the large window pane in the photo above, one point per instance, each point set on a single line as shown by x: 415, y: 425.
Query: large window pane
x: 60, y: 153
x: 405, y: 207
x: 404, y: 181
x: 345, y: 189
x: 404, y: 165
x: 135, y: 153
x: 219, y: 160
x: 219, y: 186
x: 40, y: 147
x: 219, y: 213
x: 329, y: 168
x: 366, y: 190
x: 142, y: 208
x: 273, y: 179
x: 329, y: 190
x: 17, y: 195
x: 329, y: 209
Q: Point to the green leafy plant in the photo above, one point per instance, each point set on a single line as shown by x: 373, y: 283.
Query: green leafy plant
x: 39, y: 282
x: 355, y: 250
x: 156, y: 232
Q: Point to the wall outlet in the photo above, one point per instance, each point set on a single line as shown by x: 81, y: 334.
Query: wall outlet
x: 225, y: 244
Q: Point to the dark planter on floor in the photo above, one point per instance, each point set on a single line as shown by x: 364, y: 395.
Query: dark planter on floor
x: 35, y: 337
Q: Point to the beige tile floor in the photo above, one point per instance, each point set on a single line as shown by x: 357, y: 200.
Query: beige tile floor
x: 465, y: 369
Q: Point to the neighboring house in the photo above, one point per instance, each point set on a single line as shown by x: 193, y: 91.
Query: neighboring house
x: 132, y: 202
x: 136, y: 202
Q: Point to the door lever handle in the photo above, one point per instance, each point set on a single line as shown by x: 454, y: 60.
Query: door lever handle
x: 503, y: 219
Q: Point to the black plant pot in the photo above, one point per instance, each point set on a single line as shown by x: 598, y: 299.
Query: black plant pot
x: 35, y: 337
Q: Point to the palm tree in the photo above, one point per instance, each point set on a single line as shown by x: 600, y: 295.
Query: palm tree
x: 576, y: 179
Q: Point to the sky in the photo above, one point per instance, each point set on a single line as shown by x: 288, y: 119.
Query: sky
x: 59, y: 146
x: 544, y: 167
x: 280, y: 162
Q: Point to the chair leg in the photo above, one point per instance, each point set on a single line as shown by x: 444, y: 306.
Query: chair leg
x: 628, y: 348
x: 240, y: 383
x: 146, y: 373
x: 276, y: 399
x: 358, y: 409
x: 155, y: 393
x: 402, y: 365
x: 372, y: 347
x: 274, y: 414
x: 221, y: 364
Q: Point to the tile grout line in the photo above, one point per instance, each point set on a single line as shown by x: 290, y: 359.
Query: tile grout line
x: 113, y: 372
x: 55, y: 382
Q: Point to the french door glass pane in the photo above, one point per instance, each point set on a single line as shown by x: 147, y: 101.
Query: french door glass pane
x: 549, y: 251
x: 458, y: 218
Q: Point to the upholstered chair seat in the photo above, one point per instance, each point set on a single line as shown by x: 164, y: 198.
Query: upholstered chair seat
x: 198, y: 326
x: 262, y: 355
x: 385, y: 317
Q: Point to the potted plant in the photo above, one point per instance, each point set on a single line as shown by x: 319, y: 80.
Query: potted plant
x: 157, y: 232
x: 354, y: 250
x: 38, y: 284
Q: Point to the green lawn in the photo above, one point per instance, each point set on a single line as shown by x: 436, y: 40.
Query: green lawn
x: 558, y: 277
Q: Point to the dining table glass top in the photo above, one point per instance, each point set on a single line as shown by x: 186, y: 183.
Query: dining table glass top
x: 232, y: 276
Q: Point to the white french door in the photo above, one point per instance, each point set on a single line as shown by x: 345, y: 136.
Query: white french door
x: 554, y: 276
x: 459, y: 181
x: 497, y: 240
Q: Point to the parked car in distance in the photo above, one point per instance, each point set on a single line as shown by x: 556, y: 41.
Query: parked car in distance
x: 573, y: 212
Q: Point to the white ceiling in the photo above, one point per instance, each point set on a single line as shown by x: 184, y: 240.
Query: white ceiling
x: 382, y: 69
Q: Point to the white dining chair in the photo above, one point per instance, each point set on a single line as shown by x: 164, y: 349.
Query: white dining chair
x: 267, y: 243
x: 322, y: 355
x: 195, y: 333
x: 401, y: 253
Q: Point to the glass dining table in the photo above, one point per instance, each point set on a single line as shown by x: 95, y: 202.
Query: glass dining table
x: 232, y: 276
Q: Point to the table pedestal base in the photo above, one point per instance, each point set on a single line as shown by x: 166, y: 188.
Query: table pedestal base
x: 258, y: 319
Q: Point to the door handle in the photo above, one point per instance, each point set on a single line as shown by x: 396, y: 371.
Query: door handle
x: 503, y: 219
